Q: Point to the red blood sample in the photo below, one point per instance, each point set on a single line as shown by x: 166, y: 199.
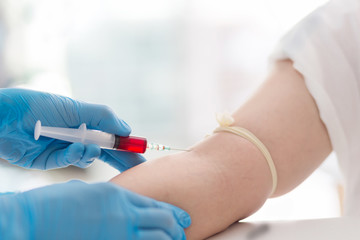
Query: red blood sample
x: 130, y: 144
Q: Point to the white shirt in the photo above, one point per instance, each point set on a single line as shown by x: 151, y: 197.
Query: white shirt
x: 325, y: 49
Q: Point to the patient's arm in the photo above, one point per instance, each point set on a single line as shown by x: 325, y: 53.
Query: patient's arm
x: 225, y: 178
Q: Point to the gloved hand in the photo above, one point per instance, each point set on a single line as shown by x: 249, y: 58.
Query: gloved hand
x: 19, y: 111
x: 76, y: 210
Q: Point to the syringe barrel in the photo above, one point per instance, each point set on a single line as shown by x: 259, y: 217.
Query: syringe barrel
x: 88, y: 136
x: 111, y: 141
x: 130, y: 144
x: 103, y: 139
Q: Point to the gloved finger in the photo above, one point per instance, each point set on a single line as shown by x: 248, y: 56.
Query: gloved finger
x: 140, y: 201
x: 101, y: 117
x: 121, y: 160
x: 64, y: 157
x: 181, y: 216
x: 91, y: 152
x: 148, y: 234
x: 160, y: 219
x: 58, y: 155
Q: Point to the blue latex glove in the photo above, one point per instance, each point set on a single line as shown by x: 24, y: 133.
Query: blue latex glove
x: 19, y: 111
x: 76, y: 210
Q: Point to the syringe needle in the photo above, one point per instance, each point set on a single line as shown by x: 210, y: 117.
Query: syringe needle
x: 160, y: 147
x: 179, y: 149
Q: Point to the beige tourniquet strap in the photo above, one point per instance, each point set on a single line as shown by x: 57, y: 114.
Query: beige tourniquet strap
x: 225, y: 120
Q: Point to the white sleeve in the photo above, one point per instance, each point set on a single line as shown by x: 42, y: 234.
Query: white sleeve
x: 325, y: 49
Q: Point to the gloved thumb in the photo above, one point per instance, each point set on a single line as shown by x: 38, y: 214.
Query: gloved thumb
x: 101, y: 117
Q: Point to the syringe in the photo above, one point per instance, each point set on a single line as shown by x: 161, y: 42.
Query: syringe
x: 103, y: 139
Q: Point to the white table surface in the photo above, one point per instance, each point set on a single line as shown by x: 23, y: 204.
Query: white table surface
x: 319, y: 229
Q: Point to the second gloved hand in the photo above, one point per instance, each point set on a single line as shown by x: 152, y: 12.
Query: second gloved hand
x: 76, y: 210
